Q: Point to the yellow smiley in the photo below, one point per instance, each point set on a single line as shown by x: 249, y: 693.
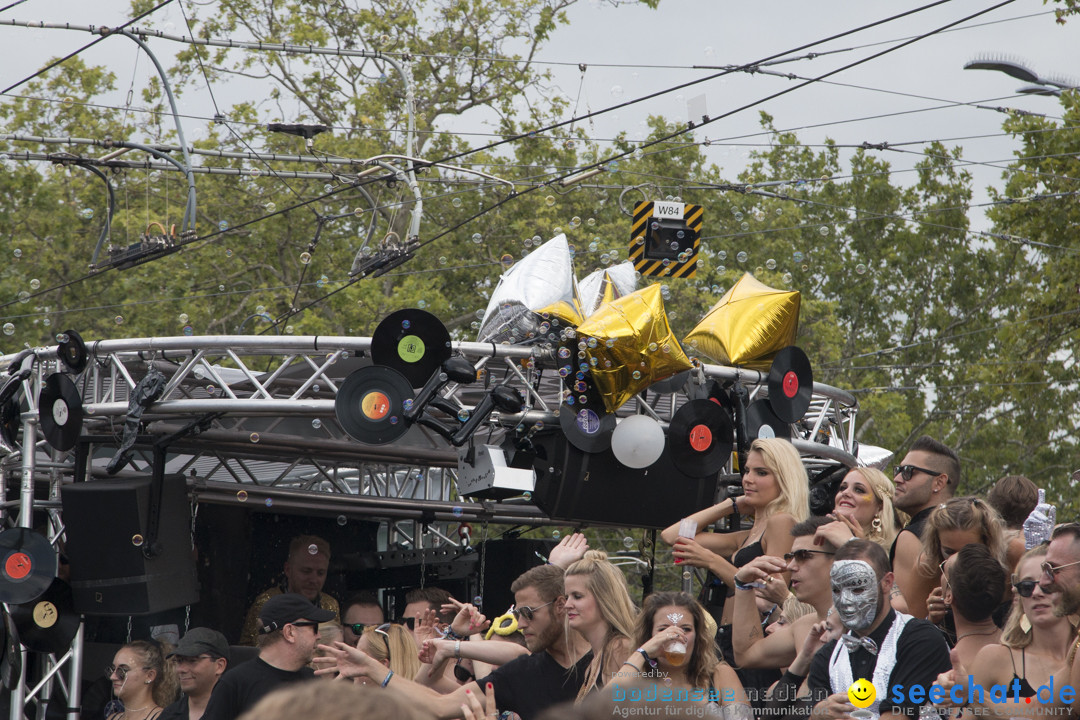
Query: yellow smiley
x: 862, y: 693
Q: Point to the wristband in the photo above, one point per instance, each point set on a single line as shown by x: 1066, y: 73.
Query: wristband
x: 453, y: 635
x: 734, y: 506
x: 457, y: 649
x: 739, y: 585
x: 387, y: 680
x: 649, y: 660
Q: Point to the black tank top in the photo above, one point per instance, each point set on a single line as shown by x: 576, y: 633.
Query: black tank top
x: 1026, y: 690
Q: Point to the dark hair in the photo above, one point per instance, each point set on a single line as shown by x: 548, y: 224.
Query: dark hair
x: 435, y: 597
x: 951, y: 468
x: 547, y: 579
x: 702, y: 662
x: 364, y: 597
x: 868, y: 550
x: 810, y: 527
x: 1014, y: 497
x: 1069, y: 528
x: 978, y: 582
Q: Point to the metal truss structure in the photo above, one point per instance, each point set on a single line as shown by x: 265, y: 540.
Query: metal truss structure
x: 251, y: 419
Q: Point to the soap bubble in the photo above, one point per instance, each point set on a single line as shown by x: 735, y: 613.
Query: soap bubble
x: 313, y: 549
x: 18, y: 253
x: 463, y: 415
x: 477, y: 238
x: 787, y: 278
x: 242, y: 495
x: 119, y: 319
x: 616, y: 91
x: 268, y: 502
x: 254, y: 437
x: 183, y: 318
x: 722, y: 255
x: 478, y: 601
x: 24, y: 297
x: 738, y: 215
x: 342, y: 520
x: 62, y: 338
x: 442, y: 259
x: 305, y: 258
x: 860, y: 268
x: 549, y: 200
x: 797, y: 256
x: 742, y: 256
x: 555, y: 534
x: 270, y: 206
x: 456, y: 202
x: 9, y: 329
x: 823, y: 230
x: 316, y: 423
x: 35, y: 284
x: 771, y: 264
x: 744, y: 226
x: 86, y: 213
x: 223, y: 225
x: 188, y: 330
x: 137, y: 540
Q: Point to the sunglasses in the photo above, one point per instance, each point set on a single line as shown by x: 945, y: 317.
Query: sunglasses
x: 907, y: 471
x: 941, y: 567
x: 462, y: 674
x: 382, y: 630
x: 357, y: 628
x: 804, y: 555
x: 1025, y: 588
x: 528, y: 612
x: 305, y: 623
x: 121, y: 671
x: 1052, y: 570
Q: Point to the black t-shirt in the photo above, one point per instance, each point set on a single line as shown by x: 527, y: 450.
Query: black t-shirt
x: 530, y: 684
x: 921, y: 655
x: 240, y: 688
x: 176, y: 711
x: 915, y: 525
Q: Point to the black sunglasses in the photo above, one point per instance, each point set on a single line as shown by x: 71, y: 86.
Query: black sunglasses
x: 1025, y: 588
x: 907, y: 471
x: 804, y: 555
x: 462, y: 674
x: 528, y: 612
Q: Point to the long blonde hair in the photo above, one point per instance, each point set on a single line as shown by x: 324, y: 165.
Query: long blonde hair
x: 891, y: 519
x: 783, y: 461
x: 967, y: 513
x: 607, y: 584
x: 397, y: 645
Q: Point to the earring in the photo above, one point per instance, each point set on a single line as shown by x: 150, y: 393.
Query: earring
x: 1025, y: 624
x: 876, y: 524
x: 147, y: 682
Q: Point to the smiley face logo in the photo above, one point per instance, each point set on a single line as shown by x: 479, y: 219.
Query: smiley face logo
x: 862, y: 693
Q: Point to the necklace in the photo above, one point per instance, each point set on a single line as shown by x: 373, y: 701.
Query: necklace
x: 986, y: 632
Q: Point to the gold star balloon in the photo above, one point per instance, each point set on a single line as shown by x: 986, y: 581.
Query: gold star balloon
x: 750, y: 324
x: 629, y: 345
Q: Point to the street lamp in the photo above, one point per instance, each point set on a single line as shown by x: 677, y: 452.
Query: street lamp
x: 1036, y: 85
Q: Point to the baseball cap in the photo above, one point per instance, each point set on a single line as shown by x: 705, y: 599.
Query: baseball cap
x: 200, y: 640
x: 280, y: 610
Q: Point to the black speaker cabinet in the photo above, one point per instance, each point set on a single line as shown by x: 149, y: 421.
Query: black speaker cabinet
x: 504, y: 561
x: 595, y: 487
x: 111, y: 573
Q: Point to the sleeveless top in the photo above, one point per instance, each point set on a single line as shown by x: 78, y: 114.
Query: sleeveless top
x: 1026, y: 690
x: 914, y: 525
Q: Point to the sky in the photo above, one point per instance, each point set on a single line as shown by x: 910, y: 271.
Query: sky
x: 632, y: 51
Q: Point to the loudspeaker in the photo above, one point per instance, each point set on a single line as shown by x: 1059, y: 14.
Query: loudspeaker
x: 504, y: 560
x: 595, y: 487
x: 113, y: 569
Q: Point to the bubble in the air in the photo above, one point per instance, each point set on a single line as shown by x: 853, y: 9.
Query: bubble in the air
x: 616, y: 91
x: 313, y: 549
x: 442, y: 259
x: 771, y: 264
x: 342, y: 520
x: 35, y: 284
x: 742, y: 256
x: 628, y: 542
x: 119, y: 319
x: 62, y: 337
x: 638, y: 153
x: 593, y: 247
x: 860, y: 268
x: 779, y: 212
x: 69, y: 101
x: 188, y: 330
x: 823, y: 230
x: 653, y: 347
x: 721, y: 255
x: 477, y: 238
x: 316, y: 423
x: 24, y: 297
x: 478, y: 601
x: 463, y: 414
x: 86, y: 213
x: 744, y: 226
x: 223, y: 225
x: 787, y: 278
x: 556, y: 230
x: 421, y: 304
x: 228, y: 253
x: 797, y: 256
x: 18, y: 253
x: 270, y: 206
x: 721, y: 268
x: 383, y: 79
x: 305, y: 258
x: 9, y: 328
x: 260, y: 309
x: 613, y: 165
x: 555, y: 534
x: 738, y: 215
x: 254, y: 437
x: 242, y: 495
x: 549, y: 200
x: 268, y: 502
x: 137, y: 540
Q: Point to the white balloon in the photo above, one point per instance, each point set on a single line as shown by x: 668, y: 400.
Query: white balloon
x: 638, y: 441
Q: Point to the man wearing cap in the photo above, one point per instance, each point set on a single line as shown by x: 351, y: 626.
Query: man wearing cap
x: 288, y: 631
x: 201, y: 657
x: 305, y: 573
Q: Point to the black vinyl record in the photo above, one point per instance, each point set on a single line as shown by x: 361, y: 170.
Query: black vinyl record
x: 72, y: 351
x: 370, y: 405
x: 27, y: 565
x: 791, y: 384
x: 413, y: 342
x: 49, y: 623
x: 762, y: 422
x: 700, y: 438
x: 60, y: 411
x: 587, y: 429
x: 11, y: 663
x: 671, y: 384
x: 10, y: 422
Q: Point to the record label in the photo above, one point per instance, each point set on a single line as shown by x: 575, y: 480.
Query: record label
x: 60, y: 412
x: 791, y: 383
x: 375, y: 405
x: 411, y: 349
x: 18, y: 566
x: 766, y: 432
x: 700, y: 437
x: 45, y: 614
x: 588, y: 421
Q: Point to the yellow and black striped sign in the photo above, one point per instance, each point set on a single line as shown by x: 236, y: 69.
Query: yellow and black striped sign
x: 663, y: 241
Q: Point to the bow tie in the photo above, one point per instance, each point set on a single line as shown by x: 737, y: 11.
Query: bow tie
x: 854, y: 642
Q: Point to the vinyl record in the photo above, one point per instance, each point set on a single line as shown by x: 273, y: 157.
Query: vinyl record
x: 700, y: 437
x: 762, y: 422
x: 370, y: 404
x: 671, y: 384
x: 413, y: 342
x: 72, y: 352
x: 587, y: 429
x: 60, y: 411
x: 27, y: 565
x: 10, y: 422
x: 49, y: 623
x: 11, y: 664
x: 791, y: 384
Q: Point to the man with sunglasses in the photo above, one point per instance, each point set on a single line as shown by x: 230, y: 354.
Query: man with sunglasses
x: 362, y: 610
x: 528, y: 685
x: 1061, y: 572
x: 927, y: 477
x: 200, y: 658
x: 809, y: 567
x: 288, y: 631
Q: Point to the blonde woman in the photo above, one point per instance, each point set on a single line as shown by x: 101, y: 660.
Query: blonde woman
x: 142, y: 680
x: 863, y: 508
x: 393, y: 646
x: 598, y: 606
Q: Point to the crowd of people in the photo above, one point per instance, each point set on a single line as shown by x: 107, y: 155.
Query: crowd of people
x: 905, y: 600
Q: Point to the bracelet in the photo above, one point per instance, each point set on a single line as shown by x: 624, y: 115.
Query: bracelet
x: 387, y: 680
x: 453, y: 635
x: 739, y: 585
x: 457, y: 649
x: 630, y: 664
x: 649, y: 660
x: 734, y: 506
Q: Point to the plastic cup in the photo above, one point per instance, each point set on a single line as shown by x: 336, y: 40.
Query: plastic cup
x: 675, y: 653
